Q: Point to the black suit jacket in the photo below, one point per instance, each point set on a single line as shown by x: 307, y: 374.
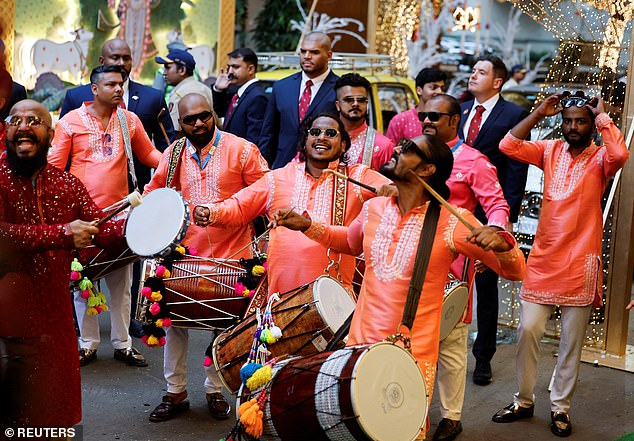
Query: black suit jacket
x: 18, y: 93
x: 281, y: 130
x: 511, y: 173
x: 143, y: 101
x: 247, y: 116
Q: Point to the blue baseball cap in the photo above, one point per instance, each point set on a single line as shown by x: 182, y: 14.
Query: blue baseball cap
x: 178, y: 56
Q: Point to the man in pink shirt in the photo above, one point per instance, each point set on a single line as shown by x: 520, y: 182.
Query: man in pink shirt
x: 564, y: 266
x: 473, y: 181
x: 93, y: 138
x: 429, y: 82
x: 303, y: 186
x: 211, y: 167
x: 367, y: 146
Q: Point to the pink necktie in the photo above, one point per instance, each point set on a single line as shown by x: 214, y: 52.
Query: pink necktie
x: 234, y: 99
x: 474, y: 127
x: 304, y: 100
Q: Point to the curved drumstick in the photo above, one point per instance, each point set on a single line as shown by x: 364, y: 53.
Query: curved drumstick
x: 132, y: 200
x: 360, y: 184
x: 443, y: 202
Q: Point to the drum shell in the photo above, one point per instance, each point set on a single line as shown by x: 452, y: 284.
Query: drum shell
x: 305, y: 332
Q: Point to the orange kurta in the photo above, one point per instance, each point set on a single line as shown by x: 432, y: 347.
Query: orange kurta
x: 234, y: 163
x: 97, y: 155
x: 293, y: 258
x: 389, y: 242
x: 564, y: 265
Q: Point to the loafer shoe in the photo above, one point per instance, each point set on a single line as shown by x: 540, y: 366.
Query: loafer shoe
x: 560, y: 424
x: 482, y: 373
x: 87, y: 356
x: 136, y: 329
x: 513, y: 412
x: 218, y: 406
x: 131, y: 356
x: 447, y: 430
x: 168, y: 409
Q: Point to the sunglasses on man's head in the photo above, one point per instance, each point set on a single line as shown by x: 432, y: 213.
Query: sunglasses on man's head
x: 409, y: 146
x: 574, y: 101
x: 330, y: 133
x: 31, y: 121
x: 433, y: 116
x: 190, y: 120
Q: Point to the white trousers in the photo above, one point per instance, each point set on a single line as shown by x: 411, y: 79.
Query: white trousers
x: 533, y: 319
x: 451, y: 376
x: 118, y: 283
x: 175, y: 363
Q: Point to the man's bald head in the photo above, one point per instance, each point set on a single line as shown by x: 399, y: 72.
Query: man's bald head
x: 319, y: 37
x: 116, y: 52
x: 192, y: 100
x: 33, y: 108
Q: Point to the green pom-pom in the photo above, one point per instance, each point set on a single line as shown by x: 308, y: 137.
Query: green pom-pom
x: 76, y: 266
x: 92, y: 301
x: 101, y: 297
x: 85, y: 284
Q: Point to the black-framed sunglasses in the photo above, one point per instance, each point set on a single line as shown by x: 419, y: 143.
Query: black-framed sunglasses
x: 31, y: 121
x: 330, y: 133
x: 408, y: 146
x: 355, y: 99
x: 190, y: 120
x: 574, y: 101
x: 433, y: 116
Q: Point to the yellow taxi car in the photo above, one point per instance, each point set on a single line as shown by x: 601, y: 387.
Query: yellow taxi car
x: 391, y: 94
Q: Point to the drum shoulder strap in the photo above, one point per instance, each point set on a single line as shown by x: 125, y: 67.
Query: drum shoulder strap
x: 339, y: 197
x: 368, y: 148
x: 175, y: 155
x: 125, y: 133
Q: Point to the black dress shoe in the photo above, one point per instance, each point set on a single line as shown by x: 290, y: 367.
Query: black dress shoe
x: 482, y: 373
x: 218, y: 406
x: 168, y: 409
x: 87, y: 356
x: 131, y: 356
x: 447, y: 430
x: 136, y: 329
x: 513, y: 412
x: 560, y: 424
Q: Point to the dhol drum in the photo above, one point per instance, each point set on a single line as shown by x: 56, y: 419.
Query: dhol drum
x: 309, y: 317
x: 453, y: 306
x: 98, y: 262
x: 200, y: 293
x: 156, y: 226
x: 374, y: 392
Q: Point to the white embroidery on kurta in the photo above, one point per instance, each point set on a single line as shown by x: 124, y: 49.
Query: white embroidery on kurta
x: 568, y: 172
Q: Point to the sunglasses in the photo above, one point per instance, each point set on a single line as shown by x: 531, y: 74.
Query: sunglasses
x: 330, y: 133
x: 355, y: 99
x: 190, y: 120
x: 433, y: 116
x: 574, y: 101
x: 409, y: 146
x: 30, y: 121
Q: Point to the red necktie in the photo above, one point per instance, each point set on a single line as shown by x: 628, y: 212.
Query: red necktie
x: 304, y: 100
x: 474, y: 127
x: 234, y: 99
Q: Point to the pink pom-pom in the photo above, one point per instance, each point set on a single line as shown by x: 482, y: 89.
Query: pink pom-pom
x: 193, y: 251
x: 146, y: 292
x: 85, y: 294
x: 239, y: 287
x: 75, y: 275
x: 207, y: 361
x: 160, y: 270
x: 99, y: 310
x: 251, y: 293
x: 265, y: 265
x: 155, y: 308
x: 162, y: 341
x: 167, y: 322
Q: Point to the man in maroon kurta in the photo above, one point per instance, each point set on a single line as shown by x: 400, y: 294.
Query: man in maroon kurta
x: 45, y: 213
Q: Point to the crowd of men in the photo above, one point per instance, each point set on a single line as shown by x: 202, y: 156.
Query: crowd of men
x: 274, y: 156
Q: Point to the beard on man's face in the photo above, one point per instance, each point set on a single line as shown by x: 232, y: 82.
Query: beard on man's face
x: 581, y: 141
x: 26, y: 166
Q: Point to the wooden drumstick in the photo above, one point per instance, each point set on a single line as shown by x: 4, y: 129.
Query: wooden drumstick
x: 132, y: 200
x: 443, y: 202
x: 342, y: 176
x: 158, y: 119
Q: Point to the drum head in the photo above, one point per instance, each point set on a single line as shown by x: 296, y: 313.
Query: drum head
x: 333, y: 302
x: 389, y: 394
x: 157, y: 223
x: 453, y: 307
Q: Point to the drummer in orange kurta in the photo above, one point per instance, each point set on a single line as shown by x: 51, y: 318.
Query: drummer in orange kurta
x: 388, y: 231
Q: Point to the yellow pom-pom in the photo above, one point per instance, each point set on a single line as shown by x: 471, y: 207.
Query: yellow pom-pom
x: 92, y: 311
x: 156, y: 295
x: 180, y: 249
x: 167, y: 274
x: 258, y: 270
x: 246, y: 292
x: 152, y: 341
x: 159, y: 323
x: 104, y: 307
x: 260, y: 377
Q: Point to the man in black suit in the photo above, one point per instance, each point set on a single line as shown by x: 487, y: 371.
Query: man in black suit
x: 238, y: 97
x: 296, y: 98
x: 484, y: 122
x: 18, y: 92
x: 141, y: 100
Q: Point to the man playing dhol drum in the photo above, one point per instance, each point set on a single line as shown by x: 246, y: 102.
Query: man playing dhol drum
x: 564, y: 266
x: 293, y: 258
x: 473, y: 181
x: 388, y: 229
x: 210, y: 166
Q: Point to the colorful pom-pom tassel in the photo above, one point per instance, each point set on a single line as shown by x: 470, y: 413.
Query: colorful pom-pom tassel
x: 76, y: 266
x: 208, y: 361
x: 160, y: 270
x: 85, y: 284
x: 247, y: 370
x: 152, y: 341
x: 239, y: 288
x: 91, y: 311
x: 264, y: 336
x: 260, y: 377
x: 193, y: 251
x: 167, y: 322
x: 276, y: 332
x: 146, y: 292
x: 75, y: 275
x: 85, y: 294
x: 156, y: 296
x: 155, y: 308
x: 180, y: 249
x: 246, y: 292
x: 258, y: 270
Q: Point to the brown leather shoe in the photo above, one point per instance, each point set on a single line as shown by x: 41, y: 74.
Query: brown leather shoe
x: 131, y: 356
x: 512, y: 412
x: 87, y: 356
x: 168, y: 409
x: 218, y: 406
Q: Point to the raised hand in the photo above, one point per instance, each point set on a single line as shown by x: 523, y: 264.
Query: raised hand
x: 488, y: 239
x: 223, y: 81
